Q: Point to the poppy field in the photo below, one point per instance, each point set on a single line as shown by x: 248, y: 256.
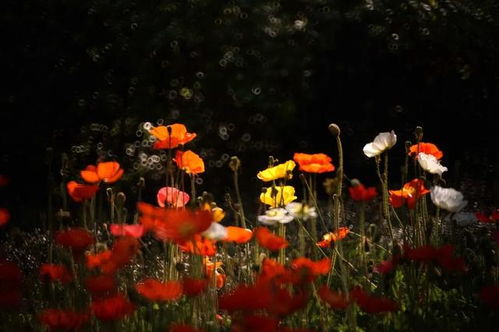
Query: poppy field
x: 315, y: 250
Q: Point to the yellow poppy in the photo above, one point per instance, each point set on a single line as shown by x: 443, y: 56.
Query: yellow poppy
x: 278, y: 196
x: 277, y: 172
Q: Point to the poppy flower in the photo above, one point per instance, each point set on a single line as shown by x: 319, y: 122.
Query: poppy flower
x: 430, y: 164
x: 301, y: 211
x: 255, y: 323
x: 243, y: 298
x: 238, y: 234
x: 78, y: 239
x: 447, y: 198
x: 372, y: 304
x: 493, y: 217
x: 215, y: 232
x: 423, y: 254
x: 172, y: 196
x: 180, y: 226
x: 112, y: 308
x: 211, y: 268
x: 65, y: 320
x: 171, y: 136
x: 280, y: 171
x: 409, y: 194
x: 101, y: 285
x: 336, y: 300
x: 157, y: 291
x: 382, y: 142
x: 189, y: 161
x: 199, y: 246
x: 386, y: 267
x: 427, y: 148
x: 108, y: 172
x: 194, y: 287
x: 124, y: 249
x: 98, y: 259
x: 135, y: 230
x: 315, y: 268
x: 273, y: 272
x: 268, y: 240
x: 444, y: 256
x: 55, y: 272
x: 314, y: 163
x: 489, y: 295
x: 4, y: 216
x: 278, y: 196
x: 275, y: 215
x: 80, y: 192
x: 183, y: 328
x: 283, y: 302
x: 337, y: 235
x: 360, y: 193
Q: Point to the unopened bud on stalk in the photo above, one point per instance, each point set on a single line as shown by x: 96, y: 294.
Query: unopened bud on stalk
x: 141, y: 183
x: 272, y: 161
x: 418, y: 132
x: 120, y: 198
x: 334, y: 129
x: 355, y: 182
x: 408, y: 144
x: 234, y: 163
x: 109, y: 193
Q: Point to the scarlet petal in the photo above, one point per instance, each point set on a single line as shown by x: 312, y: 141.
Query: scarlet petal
x: 194, y: 287
x: 268, y: 240
x: 154, y: 290
x: 112, y: 308
x: 336, y: 300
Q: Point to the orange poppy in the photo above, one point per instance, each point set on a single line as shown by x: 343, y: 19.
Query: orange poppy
x: 171, y: 136
x: 80, y: 192
x: 63, y: 320
x: 4, y: 216
x: 268, y: 240
x: 409, y: 194
x: 78, y: 239
x: 180, y: 226
x: 315, y: 268
x: 112, y: 308
x: 361, y: 193
x: 336, y: 300
x: 55, y: 272
x: 314, y: 163
x: 109, y: 172
x: 194, y: 287
x: 157, y: 291
x: 338, y: 235
x: 427, y: 148
x: 238, y: 234
x: 199, y: 245
x: 210, y: 268
x: 189, y: 161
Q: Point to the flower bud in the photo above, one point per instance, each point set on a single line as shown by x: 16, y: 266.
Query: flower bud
x: 234, y: 163
x: 418, y: 132
x: 334, y: 129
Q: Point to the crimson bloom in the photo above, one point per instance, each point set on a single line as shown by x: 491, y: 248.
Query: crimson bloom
x: 78, y: 239
x: 409, y: 194
x: 360, y: 193
x: 372, y: 304
x: 101, y: 285
x: 268, y: 240
x: 55, y: 272
x: 314, y: 163
x: 112, y: 308
x: 65, y: 320
x: 194, y: 287
x: 157, y: 291
x: 492, y: 218
x: 80, y: 192
x: 336, y: 300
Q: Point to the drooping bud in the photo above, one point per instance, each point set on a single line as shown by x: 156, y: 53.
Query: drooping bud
x: 418, y: 132
x: 334, y: 129
x: 355, y: 182
x: 234, y: 163
x: 120, y: 198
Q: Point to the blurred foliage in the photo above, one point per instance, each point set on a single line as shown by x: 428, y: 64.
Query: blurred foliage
x: 250, y: 77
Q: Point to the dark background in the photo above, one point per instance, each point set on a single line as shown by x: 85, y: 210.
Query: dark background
x: 252, y: 78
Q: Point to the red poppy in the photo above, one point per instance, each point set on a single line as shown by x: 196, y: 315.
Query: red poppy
x: 423, y: 254
x: 189, y: 161
x: 246, y: 298
x: 124, y: 249
x: 409, y: 194
x: 172, y: 196
x: 444, y: 256
x: 171, y: 136
x: 101, y: 285
x: 283, y: 302
x: 361, y: 193
x: 4, y: 216
x: 199, y: 245
x: 78, y: 239
x: 337, y: 235
x: 312, y: 268
x: 55, y: 272
x: 112, y: 308
x: 96, y: 260
x: 314, y: 163
x: 490, y: 296
x: 157, y: 291
x: 109, y: 172
x: 135, y: 230
x: 336, y: 300
x: 65, y: 320
x: 238, y: 234
x: 80, y: 192
x: 272, y: 271
x: 386, y: 267
x: 255, y: 323
x: 372, y: 304
x: 268, y: 240
x: 183, y: 328
x: 427, y: 148
x: 194, y: 287
x: 492, y: 218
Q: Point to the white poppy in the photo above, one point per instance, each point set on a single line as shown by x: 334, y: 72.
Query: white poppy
x: 382, y: 142
x: 447, y: 198
x: 215, y: 232
x: 276, y: 215
x: 302, y: 211
x: 430, y: 163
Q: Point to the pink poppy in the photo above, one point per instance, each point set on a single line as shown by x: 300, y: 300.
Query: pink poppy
x: 172, y: 196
